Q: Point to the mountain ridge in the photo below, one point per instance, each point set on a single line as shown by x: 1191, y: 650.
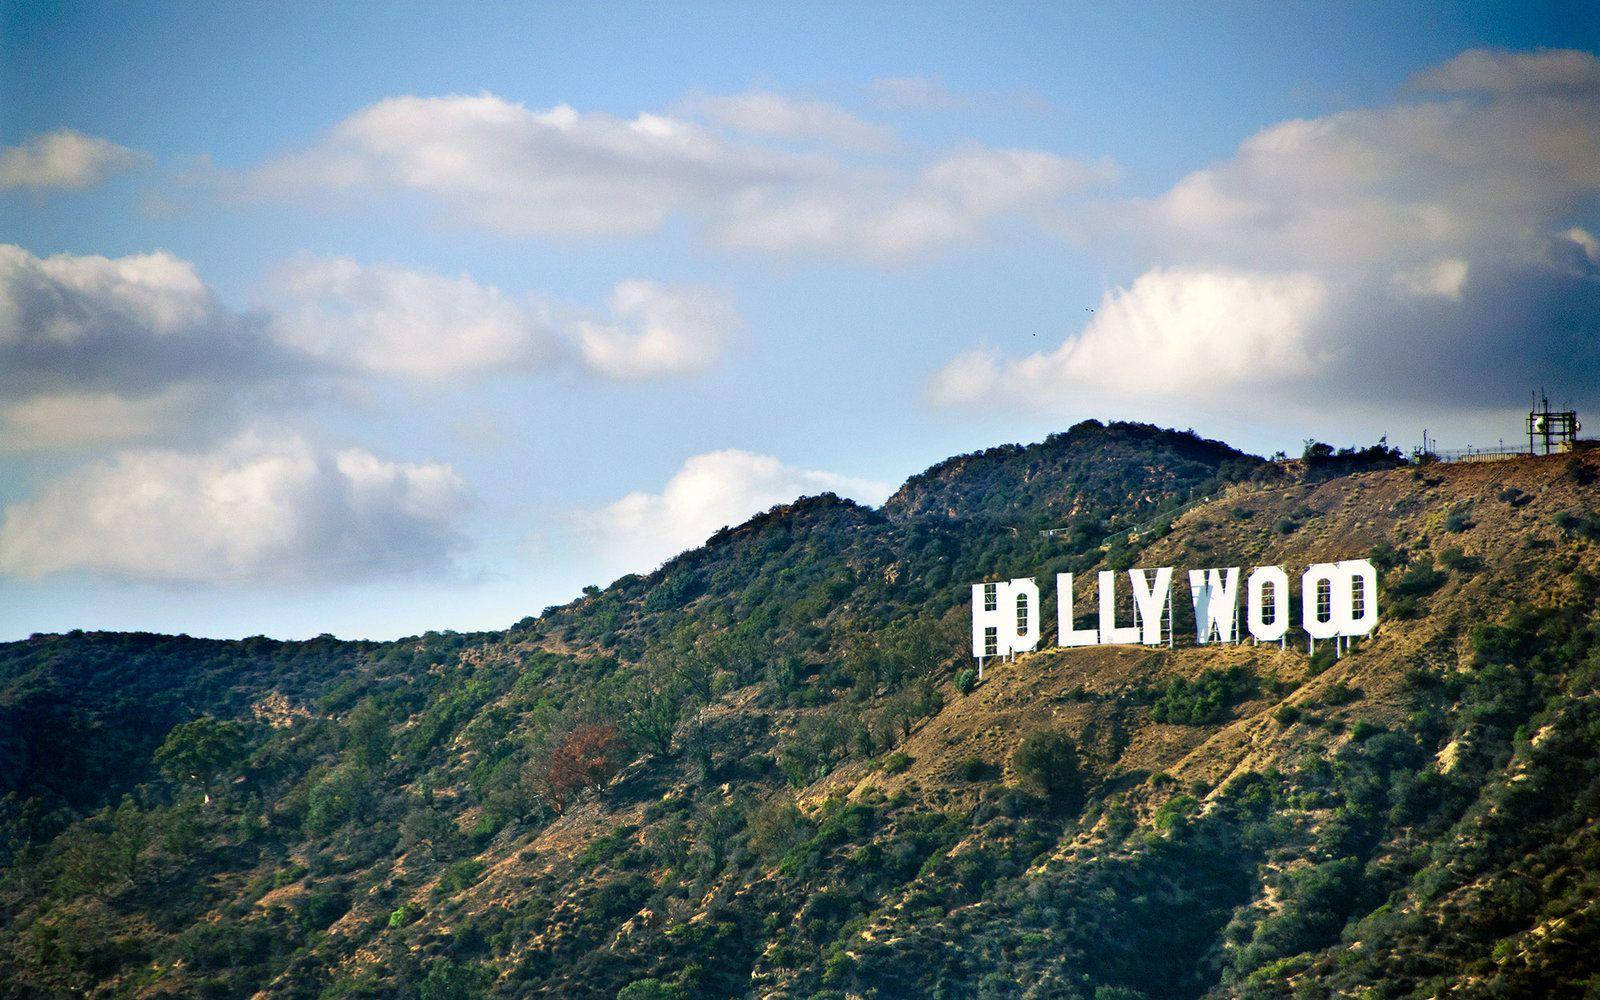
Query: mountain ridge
x: 763, y: 769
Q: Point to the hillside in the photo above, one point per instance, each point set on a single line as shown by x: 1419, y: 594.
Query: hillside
x: 764, y: 769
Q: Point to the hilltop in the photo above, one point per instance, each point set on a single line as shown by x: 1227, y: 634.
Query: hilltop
x: 765, y: 769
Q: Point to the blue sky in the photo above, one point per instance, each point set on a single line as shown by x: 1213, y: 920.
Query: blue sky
x: 408, y: 318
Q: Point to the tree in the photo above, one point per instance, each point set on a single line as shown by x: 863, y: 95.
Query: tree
x: 654, y: 706
x: 368, y: 728
x: 1047, y: 761
x: 585, y: 758
x: 448, y: 980
x: 200, y: 752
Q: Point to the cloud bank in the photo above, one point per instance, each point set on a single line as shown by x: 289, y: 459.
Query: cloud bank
x: 1437, y: 252
x: 491, y: 163
x: 97, y: 350
x: 258, y: 509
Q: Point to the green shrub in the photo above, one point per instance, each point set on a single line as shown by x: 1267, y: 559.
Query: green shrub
x: 1322, y: 658
x: 1418, y: 581
x: 651, y: 989
x: 337, y: 799
x: 321, y: 908
x: 460, y: 875
x: 1047, y: 763
x: 1341, y: 694
x: 896, y: 762
x: 451, y: 981
x: 1206, y: 699
x: 404, y: 914
x: 1386, y: 557
x: 973, y: 768
x: 1457, y: 560
x: 966, y: 680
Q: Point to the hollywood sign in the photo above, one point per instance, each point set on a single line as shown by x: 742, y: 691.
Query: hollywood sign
x: 1339, y: 601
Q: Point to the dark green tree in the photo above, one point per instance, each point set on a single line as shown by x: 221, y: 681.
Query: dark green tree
x: 200, y: 752
x: 1047, y: 762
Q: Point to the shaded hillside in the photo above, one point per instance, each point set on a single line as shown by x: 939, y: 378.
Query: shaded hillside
x: 764, y: 770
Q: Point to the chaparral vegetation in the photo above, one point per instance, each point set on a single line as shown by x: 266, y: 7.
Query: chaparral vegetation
x: 767, y: 768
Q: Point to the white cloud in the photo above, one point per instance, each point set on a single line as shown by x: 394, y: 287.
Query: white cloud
x: 65, y: 159
x: 658, y: 330
x: 1172, y: 332
x: 708, y: 492
x: 112, y: 350
x: 1585, y: 241
x: 389, y: 320
x: 258, y: 510
x: 1402, y: 184
x: 505, y: 167
x: 950, y: 201
x: 1429, y: 252
x: 70, y: 420
x: 386, y: 320
x: 1505, y: 71
x: 761, y: 112
x: 495, y: 164
x: 96, y: 348
x: 129, y: 323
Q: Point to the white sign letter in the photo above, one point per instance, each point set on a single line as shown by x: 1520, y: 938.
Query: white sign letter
x: 1319, y: 603
x: 1066, y: 628
x: 1359, y: 595
x: 1256, y: 603
x: 1151, y: 600
x: 1216, y: 601
x: 1110, y: 634
x: 989, y: 617
x: 1025, y: 626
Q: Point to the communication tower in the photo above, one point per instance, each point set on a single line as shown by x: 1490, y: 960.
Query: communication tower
x: 1552, y: 430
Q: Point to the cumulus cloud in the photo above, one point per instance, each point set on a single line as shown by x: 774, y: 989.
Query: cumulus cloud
x: 504, y: 167
x: 257, y: 510
x: 111, y: 350
x: 129, y: 323
x: 385, y: 320
x: 72, y: 420
x: 1443, y: 278
x: 104, y: 349
x: 498, y: 165
x: 64, y: 160
x: 1173, y: 331
x: 657, y: 330
x: 762, y: 112
x: 389, y: 320
x: 1432, y: 251
x: 708, y: 492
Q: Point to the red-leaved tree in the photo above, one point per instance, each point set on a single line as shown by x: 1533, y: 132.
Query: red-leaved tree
x: 584, y: 758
